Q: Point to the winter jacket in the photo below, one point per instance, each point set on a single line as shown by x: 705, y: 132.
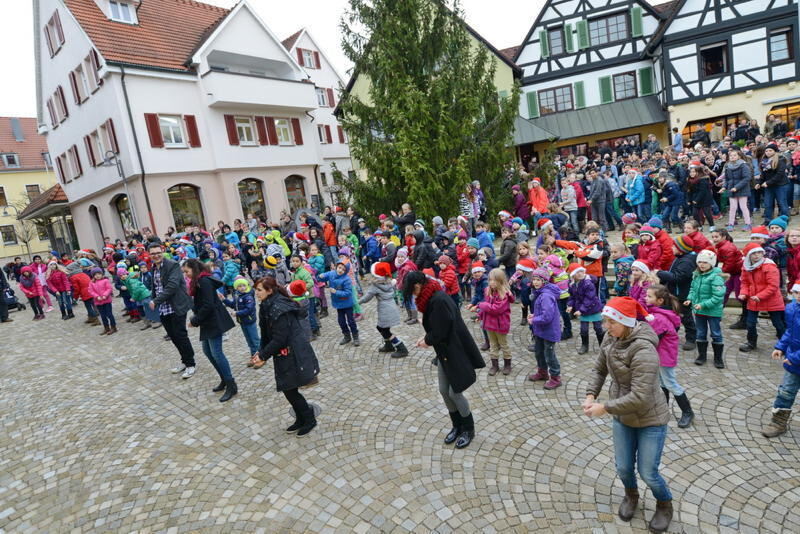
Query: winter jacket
x: 230, y: 272
x: 789, y: 343
x: 581, y: 188
x: 424, y: 255
x: 58, y: 281
x: 208, y: 311
x: 589, y: 254
x: 329, y: 234
x: 674, y: 195
x: 456, y: 351
x: 667, y: 256
x: 449, y: 277
x: 665, y: 324
x: 479, y: 289
x: 622, y: 273
x: 136, y: 289
x: 403, y: 270
x: 583, y: 297
x: 464, y: 259
x: 317, y: 263
x: 792, y: 264
x: 700, y: 241
x: 600, y: 191
x: 635, y: 194
x: 678, y: 278
x: 638, y: 292
x: 650, y: 253
x: 546, y: 323
x: 244, y: 306
x: 304, y: 275
x: 773, y: 177
x: 34, y: 287
x: 80, y: 285
x: 388, y: 312
x: 699, y: 192
x: 173, y: 287
x: 537, y: 199
x: 569, y: 202
x: 285, y: 341
x: 738, y: 175
x: 729, y: 258
x: 372, y: 249
x: 495, y: 312
x: 508, y: 253
x: 101, y: 291
x: 762, y: 282
x: 521, y: 207
x: 707, y: 290
x: 485, y: 240
x: 342, y: 294
x: 635, y: 396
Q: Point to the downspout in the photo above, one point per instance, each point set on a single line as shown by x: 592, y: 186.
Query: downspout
x: 138, y: 152
x: 316, y: 175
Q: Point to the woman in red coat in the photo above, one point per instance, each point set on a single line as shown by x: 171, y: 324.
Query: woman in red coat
x: 760, y: 292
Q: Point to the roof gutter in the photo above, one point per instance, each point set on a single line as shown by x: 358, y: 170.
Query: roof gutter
x: 138, y: 151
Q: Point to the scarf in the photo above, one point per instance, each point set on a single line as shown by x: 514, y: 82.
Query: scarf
x: 193, y: 286
x: 26, y: 281
x: 427, y: 291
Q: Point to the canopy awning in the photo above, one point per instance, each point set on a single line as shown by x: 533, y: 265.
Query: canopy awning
x: 50, y: 203
x: 526, y: 131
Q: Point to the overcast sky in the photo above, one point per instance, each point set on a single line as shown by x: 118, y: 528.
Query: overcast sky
x: 503, y: 23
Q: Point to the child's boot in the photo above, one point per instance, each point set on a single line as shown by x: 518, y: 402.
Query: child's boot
x: 600, y: 336
x: 718, y: 349
x: 741, y: 323
x: 779, y: 423
x: 113, y: 330
x: 750, y: 346
x: 400, y: 351
x: 70, y: 315
x: 495, y: 367
x: 387, y: 346
x: 356, y: 341
x: 687, y: 415
x: 627, y: 508
x: 64, y: 316
x: 323, y: 313
x: 346, y: 339
x: 95, y: 321
x: 553, y: 383
x: 412, y: 317
x: 584, y: 344
x: 702, y: 353
x: 106, y: 331
x: 507, y: 366
x: 524, y: 321
x: 540, y: 375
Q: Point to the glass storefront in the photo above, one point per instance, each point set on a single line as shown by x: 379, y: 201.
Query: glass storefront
x: 251, y: 195
x: 186, y: 207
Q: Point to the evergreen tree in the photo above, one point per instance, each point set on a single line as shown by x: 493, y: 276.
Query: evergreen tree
x: 433, y: 120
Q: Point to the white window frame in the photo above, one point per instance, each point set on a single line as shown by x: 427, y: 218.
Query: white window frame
x: 81, y: 83
x: 39, y: 187
x: 322, y: 97
x: 169, y: 129
x: 67, y: 177
x: 246, y: 131
x: 74, y: 172
x: 308, y: 59
x: 99, y: 144
x: 58, y: 107
x: 55, y: 42
x: 283, y: 129
x: 323, y: 138
x: 7, y: 165
x: 119, y: 10
x: 92, y: 82
x: 13, y: 231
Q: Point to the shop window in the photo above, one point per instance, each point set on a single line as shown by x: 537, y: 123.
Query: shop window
x: 296, y: 193
x: 251, y: 195
x: 187, y: 210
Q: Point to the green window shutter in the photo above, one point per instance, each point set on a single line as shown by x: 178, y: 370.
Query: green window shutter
x: 580, y: 97
x: 583, y: 34
x: 606, y: 96
x: 646, y: 81
x: 544, y: 44
x: 569, y: 43
x: 636, y: 21
x: 533, y: 105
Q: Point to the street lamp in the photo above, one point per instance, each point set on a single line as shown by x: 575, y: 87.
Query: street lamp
x: 112, y: 160
x: 5, y: 211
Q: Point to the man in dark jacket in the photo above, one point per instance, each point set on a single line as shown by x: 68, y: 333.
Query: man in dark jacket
x: 679, y: 280
x: 3, y: 306
x: 172, y: 302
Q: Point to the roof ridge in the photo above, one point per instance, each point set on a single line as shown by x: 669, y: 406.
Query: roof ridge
x: 204, y: 5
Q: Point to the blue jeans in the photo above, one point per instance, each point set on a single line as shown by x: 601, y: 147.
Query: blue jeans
x: 251, y: 336
x: 666, y: 375
x: 776, y: 317
x: 777, y: 194
x: 546, y: 356
x: 106, y: 314
x: 573, y: 220
x: 611, y: 214
x: 212, y: 348
x: 150, y: 315
x: 91, y: 311
x: 704, y: 323
x: 643, y: 212
x: 347, y: 321
x: 64, y: 302
x: 670, y: 211
x: 643, y: 447
x: 787, y: 391
x: 312, y: 313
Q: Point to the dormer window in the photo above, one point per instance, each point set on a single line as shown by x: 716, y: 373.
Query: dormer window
x: 11, y: 161
x: 122, y: 12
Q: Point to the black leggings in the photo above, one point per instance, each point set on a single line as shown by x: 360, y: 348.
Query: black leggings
x: 36, y: 306
x: 297, y: 400
x: 386, y: 333
x: 699, y: 212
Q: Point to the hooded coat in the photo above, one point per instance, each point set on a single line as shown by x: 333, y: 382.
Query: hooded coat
x: 495, y: 312
x: 388, y: 312
x: 79, y: 282
x: 285, y: 341
x: 583, y: 297
x: 789, y: 343
x: 208, y: 311
x: 665, y: 324
x: 244, y: 306
x: 424, y: 255
x: 33, y: 288
x: 729, y: 257
x: 521, y: 207
x: 667, y: 256
x: 101, y: 291
x: 650, y: 252
x: 738, y: 175
x: 635, y: 396
x: 546, y: 322
x: 58, y: 281
x: 762, y: 282
x: 678, y: 278
x: 136, y: 289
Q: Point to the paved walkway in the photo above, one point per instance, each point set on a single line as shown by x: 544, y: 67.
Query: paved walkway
x: 97, y: 435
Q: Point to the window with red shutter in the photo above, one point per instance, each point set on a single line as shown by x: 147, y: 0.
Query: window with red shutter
x: 298, y: 133
x: 300, y: 56
x: 341, y: 134
x: 112, y: 136
x: 96, y: 64
x: 261, y: 128
x: 87, y: 141
x: 230, y: 126
x: 191, y: 131
x: 328, y: 135
x: 331, y: 100
x: 154, y: 130
x: 60, y: 169
x: 48, y: 38
x: 317, y: 64
x: 63, y: 100
x: 59, y: 30
x: 53, y: 121
x: 75, y: 92
x: 272, y: 132
x: 79, y: 167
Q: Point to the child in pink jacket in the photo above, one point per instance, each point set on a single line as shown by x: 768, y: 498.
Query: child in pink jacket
x: 495, y: 314
x: 31, y: 287
x: 102, y: 292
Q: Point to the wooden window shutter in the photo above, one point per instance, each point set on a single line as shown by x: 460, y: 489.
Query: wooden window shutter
x: 63, y: 101
x: 606, y: 95
x: 298, y: 133
x: 261, y: 128
x: 154, y: 130
x: 74, y: 83
x: 272, y: 132
x: 545, y: 48
x: 300, y: 56
x: 51, y: 111
x: 331, y: 102
x: 636, y: 21
x: 569, y: 40
x: 96, y: 64
x: 583, y: 34
x: 341, y: 134
x: 191, y: 131
x: 646, y: 81
x: 60, y: 168
x: 89, y: 150
x: 77, y: 157
x: 112, y: 136
x: 59, y: 29
x: 230, y: 127
x: 580, y: 95
x: 328, y: 136
x: 48, y: 38
x: 533, y: 105
x: 317, y: 64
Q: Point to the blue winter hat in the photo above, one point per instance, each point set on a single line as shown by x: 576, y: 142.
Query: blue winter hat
x: 655, y: 222
x: 518, y: 220
x: 472, y: 242
x: 85, y: 262
x: 782, y: 221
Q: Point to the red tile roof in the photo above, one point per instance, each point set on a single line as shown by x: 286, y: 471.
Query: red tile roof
x: 510, y: 53
x: 168, y: 33
x: 288, y: 43
x: 54, y: 195
x: 29, y: 151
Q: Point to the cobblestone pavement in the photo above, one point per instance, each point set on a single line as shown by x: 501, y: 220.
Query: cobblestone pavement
x: 97, y: 435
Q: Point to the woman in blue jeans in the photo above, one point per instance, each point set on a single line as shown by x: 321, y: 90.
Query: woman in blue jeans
x: 628, y: 354
x: 209, y: 313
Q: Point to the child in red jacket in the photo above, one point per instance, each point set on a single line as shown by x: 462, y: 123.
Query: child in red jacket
x: 692, y: 230
x: 102, y: 292
x: 730, y: 260
x: 760, y: 292
x: 447, y: 274
x: 80, y: 291
x: 32, y: 288
x: 650, y: 251
x: 57, y: 281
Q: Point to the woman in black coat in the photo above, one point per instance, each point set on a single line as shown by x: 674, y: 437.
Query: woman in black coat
x: 283, y: 338
x: 457, y: 355
x: 210, y: 314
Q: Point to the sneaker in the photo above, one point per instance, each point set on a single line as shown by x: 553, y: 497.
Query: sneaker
x: 49, y: 309
x: 729, y: 228
x: 181, y: 368
x: 188, y: 373
x: 225, y: 337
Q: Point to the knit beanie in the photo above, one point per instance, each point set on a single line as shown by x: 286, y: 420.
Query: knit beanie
x: 402, y: 253
x: 95, y: 271
x: 541, y: 273
x: 419, y: 223
x: 437, y: 220
x: 297, y: 288
x: 629, y: 218
x: 707, y: 256
x: 759, y: 231
x: 517, y: 220
x: 642, y: 266
x: 526, y: 265
x: 684, y: 243
x: 241, y: 281
x: 472, y: 242
x: 773, y: 146
x: 782, y: 221
x: 271, y: 262
x: 121, y: 272
x: 655, y: 222
x: 624, y: 310
x: 445, y: 260
x: 554, y: 261
x: 648, y: 230
x: 345, y: 251
x: 381, y: 269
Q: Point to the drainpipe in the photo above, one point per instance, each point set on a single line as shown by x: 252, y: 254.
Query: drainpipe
x: 319, y: 191
x: 138, y: 153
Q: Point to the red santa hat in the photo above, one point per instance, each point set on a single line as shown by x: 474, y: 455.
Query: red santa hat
x: 526, y: 265
x: 504, y: 213
x: 750, y: 248
x: 462, y: 220
x: 537, y: 180
x: 642, y: 266
x: 381, y: 269
x: 796, y: 286
x: 759, y: 231
x: 574, y: 269
x: 478, y: 267
x: 543, y: 222
x: 624, y: 310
